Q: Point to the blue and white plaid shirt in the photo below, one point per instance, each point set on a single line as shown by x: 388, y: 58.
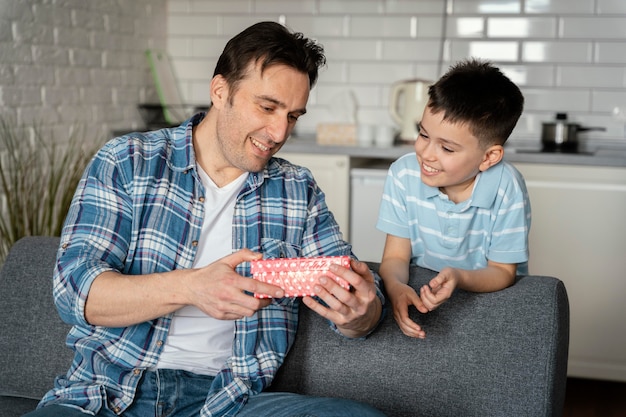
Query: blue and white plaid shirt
x: 137, y: 210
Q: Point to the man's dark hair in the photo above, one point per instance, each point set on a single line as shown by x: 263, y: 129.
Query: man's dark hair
x: 269, y: 43
x: 479, y: 94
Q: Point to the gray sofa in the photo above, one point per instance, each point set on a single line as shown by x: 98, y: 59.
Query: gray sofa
x: 498, y: 354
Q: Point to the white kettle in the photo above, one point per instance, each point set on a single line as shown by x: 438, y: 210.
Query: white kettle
x: 407, y: 101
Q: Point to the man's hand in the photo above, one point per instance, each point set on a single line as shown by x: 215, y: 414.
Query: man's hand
x: 355, y: 311
x: 220, y: 292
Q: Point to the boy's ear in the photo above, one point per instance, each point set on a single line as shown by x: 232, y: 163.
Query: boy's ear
x: 493, y: 155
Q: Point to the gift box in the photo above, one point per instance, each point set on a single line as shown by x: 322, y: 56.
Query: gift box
x: 297, y: 276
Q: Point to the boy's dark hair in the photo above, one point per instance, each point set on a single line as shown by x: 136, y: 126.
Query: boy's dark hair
x: 270, y: 43
x: 477, y: 93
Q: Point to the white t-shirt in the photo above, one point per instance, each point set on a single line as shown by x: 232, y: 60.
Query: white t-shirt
x: 197, y: 342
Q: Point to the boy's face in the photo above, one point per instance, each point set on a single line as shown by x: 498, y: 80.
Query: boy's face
x: 450, y: 156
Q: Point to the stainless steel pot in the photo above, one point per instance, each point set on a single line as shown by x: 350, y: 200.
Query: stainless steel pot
x: 560, y: 135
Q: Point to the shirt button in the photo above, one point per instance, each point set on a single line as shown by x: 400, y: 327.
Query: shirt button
x: 136, y: 371
x: 159, y: 343
x: 201, y: 199
x: 194, y: 243
x: 117, y: 410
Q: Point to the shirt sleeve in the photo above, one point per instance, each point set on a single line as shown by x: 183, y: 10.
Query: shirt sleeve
x: 509, y: 241
x: 94, y: 238
x: 393, y: 215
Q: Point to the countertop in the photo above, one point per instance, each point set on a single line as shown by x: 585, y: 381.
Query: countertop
x: 609, y: 157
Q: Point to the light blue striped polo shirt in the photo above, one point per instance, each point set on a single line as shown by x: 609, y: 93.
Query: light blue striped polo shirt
x: 492, y: 225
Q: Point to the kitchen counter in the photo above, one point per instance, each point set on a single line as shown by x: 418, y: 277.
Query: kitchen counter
x: 609, y: 157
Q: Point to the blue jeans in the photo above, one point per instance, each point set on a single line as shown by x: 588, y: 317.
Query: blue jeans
x: 172, y: 393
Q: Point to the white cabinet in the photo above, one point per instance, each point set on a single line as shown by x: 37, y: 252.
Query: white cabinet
x: 332, y: 173
x: 578, y: 234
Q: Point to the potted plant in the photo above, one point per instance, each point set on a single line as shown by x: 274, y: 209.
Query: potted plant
x: 38, y: 177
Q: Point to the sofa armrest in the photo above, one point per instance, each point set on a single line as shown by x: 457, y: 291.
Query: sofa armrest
x: 490, y: 354
x: 33, y: 336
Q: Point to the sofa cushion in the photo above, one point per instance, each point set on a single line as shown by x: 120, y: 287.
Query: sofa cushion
x: 33, y: 336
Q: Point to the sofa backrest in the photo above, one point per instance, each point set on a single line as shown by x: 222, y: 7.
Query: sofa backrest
x: 491, y: 354
x: 32, y: 341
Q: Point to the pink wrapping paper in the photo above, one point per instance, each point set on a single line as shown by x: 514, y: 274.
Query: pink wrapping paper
x: 297, y: 276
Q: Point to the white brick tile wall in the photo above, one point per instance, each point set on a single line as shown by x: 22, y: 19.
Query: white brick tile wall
x: 71, y: 65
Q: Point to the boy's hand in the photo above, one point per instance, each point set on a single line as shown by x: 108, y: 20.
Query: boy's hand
x: 402, y: 298
x: 440, y: 288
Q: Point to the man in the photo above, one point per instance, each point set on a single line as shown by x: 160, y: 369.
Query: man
x: 153, y: 268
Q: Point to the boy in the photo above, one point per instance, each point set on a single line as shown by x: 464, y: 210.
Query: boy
x: 454, y: 206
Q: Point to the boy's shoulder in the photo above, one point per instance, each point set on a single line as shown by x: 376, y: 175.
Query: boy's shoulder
x: 502, y: 176
x: 408, y: 160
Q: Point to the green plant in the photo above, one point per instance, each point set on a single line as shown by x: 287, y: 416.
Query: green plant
x: 38, y: 177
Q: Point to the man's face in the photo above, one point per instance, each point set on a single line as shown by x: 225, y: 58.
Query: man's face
x: 449, y: 156
x: 256, y: 119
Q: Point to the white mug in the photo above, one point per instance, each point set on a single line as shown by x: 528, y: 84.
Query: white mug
x: 365, y: 134
x: 384, y: 136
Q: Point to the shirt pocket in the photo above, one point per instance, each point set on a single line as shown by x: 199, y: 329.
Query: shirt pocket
x: 274, y: 248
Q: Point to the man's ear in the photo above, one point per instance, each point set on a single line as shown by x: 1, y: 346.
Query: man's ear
x: 493, y: 155
x: 219, y: 91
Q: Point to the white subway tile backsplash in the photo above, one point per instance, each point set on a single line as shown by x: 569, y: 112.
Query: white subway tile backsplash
x: 610, y: 53
x: 198, y: 93
x: 606, y: 101
x: 352, y: 49
x: 557, y: 51
x: 232, y: 24
x: 333, y: 72
x: 209, y: 48
x: 596, y: 76
x: 566, y: 55
x: 193, y: 69
x: 462, y: 27
x: 611, y: 6
x: 435, y: 7
x: 503, y: 51
x: 180, y: 47
x: 354, y: 7
x: 557, y: 100
x: 417, y: 50
x: 559, y: 6
x: 378, y: 73
x: 320, y: 26
x: 285, y: 6
x: 221, y: 6
x: 593, y: 27
x: 178, y: 6
x: 532, y: 76
x: 192, y: 25
x: 381, y: 27
x: 521, y: 27
x: 485, y: 6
